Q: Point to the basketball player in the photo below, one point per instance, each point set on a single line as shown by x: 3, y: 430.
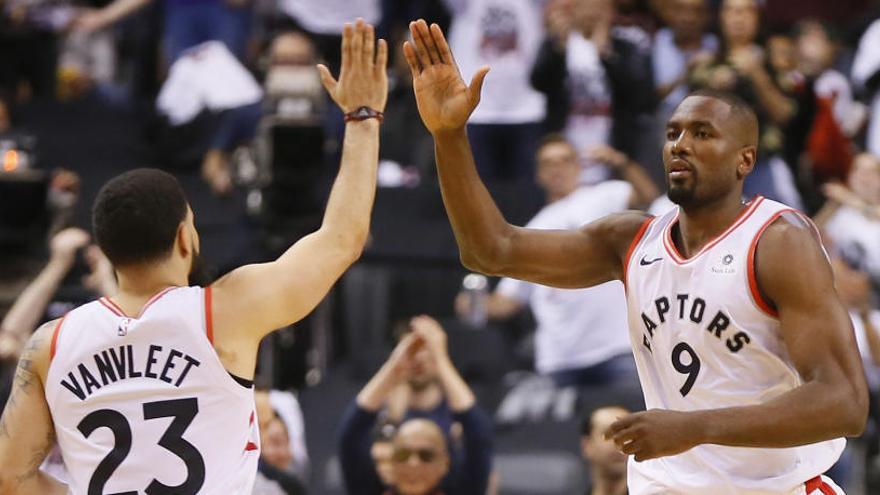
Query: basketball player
x: 150, y: 391
x: 746, y: 357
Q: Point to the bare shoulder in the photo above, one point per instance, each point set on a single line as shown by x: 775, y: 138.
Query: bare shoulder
x: 35, y: 357
x: 619, y: 230
x: 790, y: 259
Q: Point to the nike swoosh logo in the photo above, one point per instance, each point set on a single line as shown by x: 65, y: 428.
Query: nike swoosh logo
x: 645, y: 262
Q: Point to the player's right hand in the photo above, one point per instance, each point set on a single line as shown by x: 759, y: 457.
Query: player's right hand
x: 363, y: 81
x: 445, y: 102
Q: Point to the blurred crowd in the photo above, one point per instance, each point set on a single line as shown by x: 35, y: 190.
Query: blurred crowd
x: 572, y: 118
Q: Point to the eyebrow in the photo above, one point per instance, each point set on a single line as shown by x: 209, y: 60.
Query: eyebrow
x: 692, y: 123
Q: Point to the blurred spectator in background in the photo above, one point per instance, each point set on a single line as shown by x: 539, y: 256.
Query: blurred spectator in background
x: 676, y: 50
x: 851, y: 218
x: 208, y: 82
x: 606, y: 463
x: 187, y: 23
x: 29, y: 309
x: 598, y: 81
x: 29, y: 46
x: 282, y: 444
x: 581, y: 337
x: 766, y: 82
x: 424, y: 453
x: 829, y: 147
x: 866, y: 77
x: 505, y: 128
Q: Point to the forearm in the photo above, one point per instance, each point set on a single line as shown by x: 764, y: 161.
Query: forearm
x: 477, y: 223
x: 38, y: 484
x: 120, y: 9
x: 351, y: 199
x: 458, y: 394
x: 779, y: 106
x: 811, y: 413
x: 374, y: 394
x: 826, y: 212
x: 30, y: 306
x: 644, y: 189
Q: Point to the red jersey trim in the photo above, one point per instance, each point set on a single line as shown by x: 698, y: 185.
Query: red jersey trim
x: 154, y: 299
x: 817, y: 484
x: 762, y: 303
x: 107, y: 303
x: 633, y: 244
x: 115, y: 309
x: 740, y: 219
x: 209, y: 319
x: 54, y: 345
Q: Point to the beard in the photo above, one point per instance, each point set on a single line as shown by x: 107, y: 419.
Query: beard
x: 680, y: 195
x: 199, y: 274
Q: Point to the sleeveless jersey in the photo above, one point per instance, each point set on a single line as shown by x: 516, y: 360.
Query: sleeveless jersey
x: 704, y: 338
x: 144, y: 406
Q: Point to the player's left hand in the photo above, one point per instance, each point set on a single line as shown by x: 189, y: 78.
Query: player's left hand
x: 654, y: 433
x: 362, y: 78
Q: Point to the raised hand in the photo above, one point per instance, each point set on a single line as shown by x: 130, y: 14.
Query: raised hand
x: 363, y: 81
x: 64, y: 244
x: 445, y: 102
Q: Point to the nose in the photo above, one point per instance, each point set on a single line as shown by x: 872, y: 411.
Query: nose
x: 681, y: 145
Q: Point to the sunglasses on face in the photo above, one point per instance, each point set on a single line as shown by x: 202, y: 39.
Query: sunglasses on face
x: 425, y: 456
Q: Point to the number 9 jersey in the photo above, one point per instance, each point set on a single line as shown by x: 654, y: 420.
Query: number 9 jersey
x: 704, y: 338
x: 143, y: 405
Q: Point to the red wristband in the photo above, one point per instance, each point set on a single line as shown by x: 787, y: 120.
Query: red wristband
x: 364, y: 113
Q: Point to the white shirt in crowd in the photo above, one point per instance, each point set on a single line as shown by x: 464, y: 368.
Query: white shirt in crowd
x: 329, y: 16
x: 872, y: 369
x: 506, y: 35
x: 670, y: 62
x: 577, y: 328
x: 856, y: 239
x: 865, y: 64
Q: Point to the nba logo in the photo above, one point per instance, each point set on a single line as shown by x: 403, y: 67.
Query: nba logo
x: 122, y: 331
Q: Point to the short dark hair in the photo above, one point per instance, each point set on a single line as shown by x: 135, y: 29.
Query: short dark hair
x: 136, y: 216
x: 739, y: 108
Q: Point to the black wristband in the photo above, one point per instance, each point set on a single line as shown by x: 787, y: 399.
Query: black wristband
x: 364, y: 113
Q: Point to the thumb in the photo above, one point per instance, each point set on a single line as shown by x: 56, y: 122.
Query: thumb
x: 476, y: 86
x: 327, y: 79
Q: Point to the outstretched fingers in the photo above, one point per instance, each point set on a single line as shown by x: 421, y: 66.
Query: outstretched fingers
x: 381, y: 57
x: 412, y: 59
x: 369, y: 47
x: 419, y: 47
x: 476, y: 87
x: 347, y: 35
x: 357, y: 46
x: 327, y: 79
x: 444, y: 54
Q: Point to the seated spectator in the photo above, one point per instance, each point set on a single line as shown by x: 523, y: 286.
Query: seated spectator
x: 275, y: 459
x: 851, y: 218
x: 291, y: 457
x: 581, y: 336
x: 745, y: 68
x: 427, y: 459
x: 597, y: 80
x: 606, y: 463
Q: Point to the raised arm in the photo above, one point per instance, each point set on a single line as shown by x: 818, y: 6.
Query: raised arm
x: 26, y: 430
x: 486, y: 241
x: 832, y: 401
x: 254, y: 300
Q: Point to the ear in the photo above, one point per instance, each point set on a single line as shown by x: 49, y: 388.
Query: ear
x: 183, y: 241
x: 748, y: 157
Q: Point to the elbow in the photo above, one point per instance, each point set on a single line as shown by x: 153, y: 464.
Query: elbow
x: 479, y: 263
x: 857, y: 415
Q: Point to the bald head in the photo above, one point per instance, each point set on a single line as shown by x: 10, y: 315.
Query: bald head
x: 423, y: 430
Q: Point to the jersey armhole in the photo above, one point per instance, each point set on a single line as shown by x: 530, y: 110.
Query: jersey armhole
x: 757, y: 296
x: 633, y: 244
x: 209, y: 319
x: 53, y: 346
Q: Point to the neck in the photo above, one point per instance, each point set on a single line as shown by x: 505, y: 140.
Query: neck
x: 605, y: 484
x: 137, y: 284
x: 699, y: 225
x: 426, y: 399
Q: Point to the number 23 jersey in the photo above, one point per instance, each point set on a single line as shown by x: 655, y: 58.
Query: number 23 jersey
x: 704, y: 338
x: 144, y: 406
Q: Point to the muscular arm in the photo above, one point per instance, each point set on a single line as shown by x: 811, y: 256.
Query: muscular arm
x: 568, y: 259
x: 26, y: 430
x: 833, y: 399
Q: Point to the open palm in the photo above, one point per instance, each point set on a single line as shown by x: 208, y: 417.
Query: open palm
x: 445, y: 102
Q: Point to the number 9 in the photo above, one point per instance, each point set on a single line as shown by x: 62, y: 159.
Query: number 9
x: 691, y: 369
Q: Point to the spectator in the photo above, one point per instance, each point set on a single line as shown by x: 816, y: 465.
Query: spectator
x: 505, y: 129
x: 28, y: 49
x: 293, y: 458
x: 598, y: 82
x: 581, y: 336
x: 426, y: 459
x: 866, y: 76
x: 851, y: 218
x: 744, y: 67
x: 187, y: 23
x: 676, y: 50
x: 606, y: 463
x: 275, y: 457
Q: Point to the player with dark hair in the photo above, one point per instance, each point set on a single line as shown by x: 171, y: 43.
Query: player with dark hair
x: 746, y: 356
x: 150, y: 391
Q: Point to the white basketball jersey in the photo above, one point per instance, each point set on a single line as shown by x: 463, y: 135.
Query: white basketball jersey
x: 144, y: 405
x: 703, y: 338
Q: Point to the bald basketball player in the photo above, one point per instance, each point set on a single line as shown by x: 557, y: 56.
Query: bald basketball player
x: 746, y: 356
x: 150, y: 391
